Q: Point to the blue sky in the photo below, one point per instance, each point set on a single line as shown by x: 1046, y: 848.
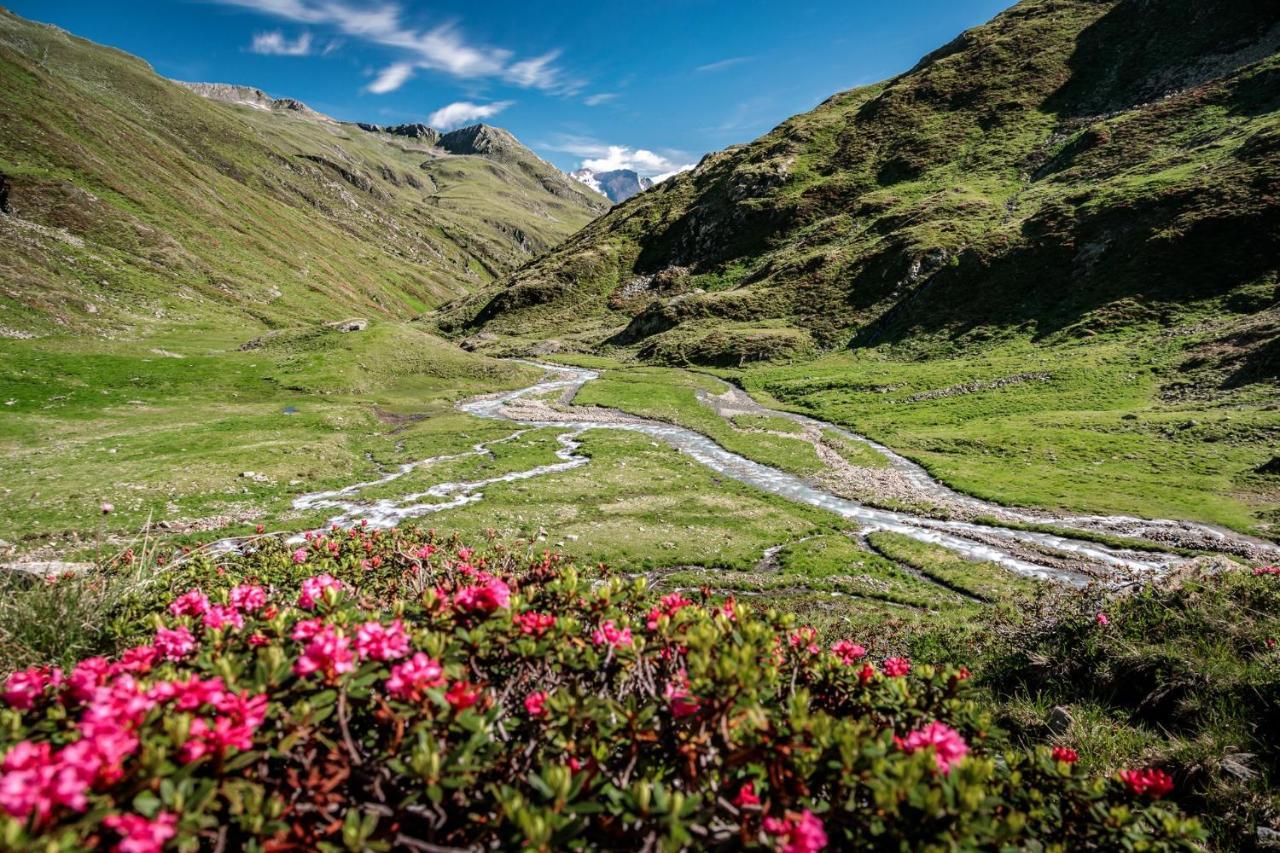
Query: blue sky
x: 651, y: 85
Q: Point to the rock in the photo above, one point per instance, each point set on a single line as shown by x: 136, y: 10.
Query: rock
x: 248, y: 475
x: 1060, y: 720
x: 545, y: 348
x: 1268, y: 838
x: 47, y: 568
x: 355, y: 324
x: 1270, y: 467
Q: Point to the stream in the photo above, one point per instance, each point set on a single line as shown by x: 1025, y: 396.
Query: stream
x: 1033, y: 553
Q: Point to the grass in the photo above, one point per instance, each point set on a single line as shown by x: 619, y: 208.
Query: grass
x: 1097, y: 436
x: 169, y: 438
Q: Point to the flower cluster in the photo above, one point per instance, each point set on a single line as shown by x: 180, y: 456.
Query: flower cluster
x: 388, y: 686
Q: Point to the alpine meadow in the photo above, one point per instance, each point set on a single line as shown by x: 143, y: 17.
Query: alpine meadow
x: 377, y: 478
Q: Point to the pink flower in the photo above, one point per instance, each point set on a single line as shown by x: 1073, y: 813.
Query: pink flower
x: 256, y: 639
x: 328, y: 652
x: 425, y: 551
x: 682, y: 703
x: 1267, y: 570
x: 107, y: 508
x: 1151, y: 782
x: 848, y: 651
x: 747, y: 796
x: 174, y: 644
x: 248, y: 597
x: 866, y: 674
x: 300, y: 555
x: 610, y: 633
x: 139, y: 835
x: 193, y: 602
x: 305, y: 629
x: 189, y: 695
x: 1102, y: 620
x: 138, y: 659
x: 897, y: 667
x: 409, y: 679
x: 949, y: 748
x: 314, y: 589
x: 24, y: 687
x: 805, y: 835
x: 535, y: 703
x: 805, y: 637
x: 87, y: 675
x: 382, y: 642
x: 668, y: 607
x: 535, y: 624
x: 1065, y: 755
x: 485, y: 597
x: 462, y: 695
x: 222, y: 616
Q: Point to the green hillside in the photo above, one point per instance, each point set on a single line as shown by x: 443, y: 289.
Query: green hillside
x: 1068, y: 168
x: 130, y: 201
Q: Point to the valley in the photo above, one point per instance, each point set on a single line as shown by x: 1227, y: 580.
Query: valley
x: 491, y: 504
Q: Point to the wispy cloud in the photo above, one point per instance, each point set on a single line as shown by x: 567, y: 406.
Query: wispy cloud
x: 442, y: 48
x: 275, y: 44
x: 602, y: 157
x: 461, y: 112
x: 722, y: 64
x: 600, y: 98
x: 391, y: 78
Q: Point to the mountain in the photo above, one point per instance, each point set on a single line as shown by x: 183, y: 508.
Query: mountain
x: 1070, y: 167
x: 618, y: 184
x: 130, y: 200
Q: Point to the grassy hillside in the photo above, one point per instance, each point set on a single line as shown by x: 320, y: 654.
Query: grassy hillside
x: 1085, y: 191
x: 1056, y: 171
x: 130, y: 201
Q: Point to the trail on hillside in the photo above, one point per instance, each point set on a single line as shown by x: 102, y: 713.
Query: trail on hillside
x: 1030, y: 552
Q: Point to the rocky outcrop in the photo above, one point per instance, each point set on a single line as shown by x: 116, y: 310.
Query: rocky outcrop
x: 248, y: 96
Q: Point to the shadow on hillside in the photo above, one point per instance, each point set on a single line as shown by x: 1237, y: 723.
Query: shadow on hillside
x: 1135, y: 53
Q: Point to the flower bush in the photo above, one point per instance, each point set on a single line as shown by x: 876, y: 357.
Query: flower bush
x: 391, y: 690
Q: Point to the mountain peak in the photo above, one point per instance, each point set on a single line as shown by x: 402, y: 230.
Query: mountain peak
x: 617, y: 185
x: 249, y: 96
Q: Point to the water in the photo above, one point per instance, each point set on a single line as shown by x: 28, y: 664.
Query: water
x: 956, y: 536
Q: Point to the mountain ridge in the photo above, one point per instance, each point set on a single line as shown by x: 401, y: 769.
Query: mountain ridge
x: 132, y: 200
x: 1028, y: 178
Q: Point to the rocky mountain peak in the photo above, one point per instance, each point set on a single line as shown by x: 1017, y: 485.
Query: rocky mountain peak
x: 249, y: 96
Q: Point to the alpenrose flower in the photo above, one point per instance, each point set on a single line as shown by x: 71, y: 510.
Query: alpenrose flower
x: 535, y: 703
x: 382, y: 642
x: 896, y: 667
x: 486, y: 596
x: 410, y: 680
x: 314, y: 588
x: 328, y: 652
x: 1149, y: 782
x: 847, y: 651
x: 174, y: 643
x: 1065, y: 755
x: 804, y: 834
x: 190, y: 603
x: 139, y: 835
x: 283, y: 723
x: 949, y: 748
x: 610, y: 634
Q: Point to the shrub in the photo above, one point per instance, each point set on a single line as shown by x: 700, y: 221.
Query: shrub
x: 370, y: 690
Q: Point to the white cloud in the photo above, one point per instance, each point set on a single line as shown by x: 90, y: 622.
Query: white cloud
x: 600, y: 98
x: 275, y: 44
x: 599, y: 157
x: 443, y: 48
x: 724, y: 63
x: 461, y: 112
x: 391, y: 78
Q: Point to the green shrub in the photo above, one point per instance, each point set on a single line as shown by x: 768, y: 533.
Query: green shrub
x: 369, y: 690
